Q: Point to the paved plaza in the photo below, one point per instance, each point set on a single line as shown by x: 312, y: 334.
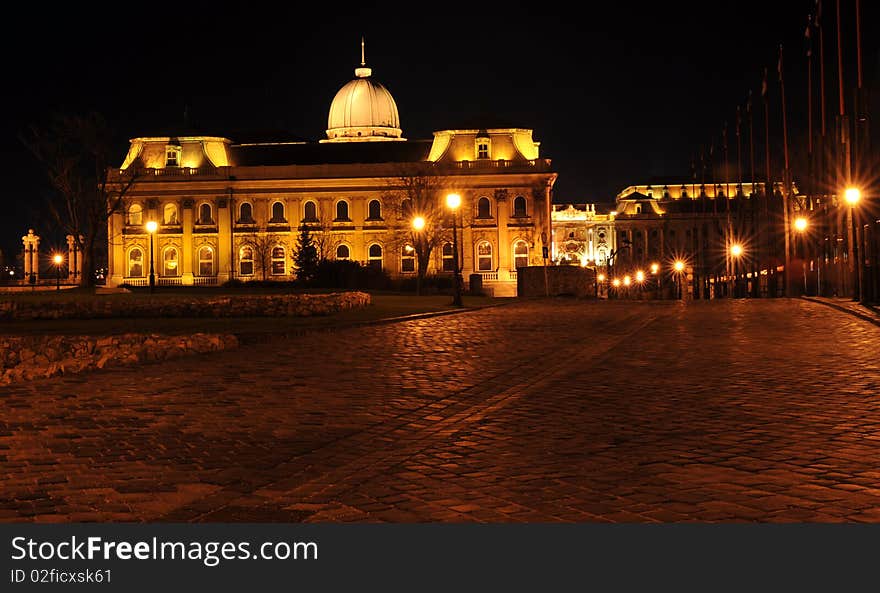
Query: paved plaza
x: 559, y: 410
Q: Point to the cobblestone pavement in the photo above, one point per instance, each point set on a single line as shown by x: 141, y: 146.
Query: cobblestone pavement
x: 537, y: 411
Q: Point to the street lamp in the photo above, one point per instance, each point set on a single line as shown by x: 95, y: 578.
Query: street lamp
x: 453, y: 201
x: 800, y: 225
x: 736, y: 250
x: 58, y: 259
x: 678, y: 266
x: 852, y: 195
x: 151, y: 228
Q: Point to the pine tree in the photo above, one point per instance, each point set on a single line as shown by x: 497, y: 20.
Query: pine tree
x: 306, y: 256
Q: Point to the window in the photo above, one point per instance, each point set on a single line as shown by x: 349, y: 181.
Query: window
x: 277, y: 212
x: 342, y: 210
x: 206, y: 261
x: 484, y: 257
x: 246, y: 261
x: 483, y: 149
x: 310, y: 212
x: 374, y: 210
x: 343, y: 252
x: 375, y: 256
x: 172, y: 156
x: 519, y: 207
x: 406, y: 208
x: 520, y: 254
x: 135, y: 214
x: 483, y: 209
x: 169, y: 214
x: 408, y: 259
x: 278, y: 261
x: 245, y: 213
x: 205, y: 215
x: 169, y: 262
x: 448, y: 258
x: 136, y: 263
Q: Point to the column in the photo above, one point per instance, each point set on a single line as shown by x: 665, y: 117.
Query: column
x: 186, y: 252
x: 502, y: 218
x: 116, y: 264
x: 31, y: 244
x: 224, y: 231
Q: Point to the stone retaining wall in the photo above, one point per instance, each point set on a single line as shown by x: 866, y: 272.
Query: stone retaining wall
x: 285, y: 305
x: 24, y: 358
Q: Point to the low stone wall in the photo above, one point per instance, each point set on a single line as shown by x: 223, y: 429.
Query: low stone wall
x: 560, y: 280
x: 283, y: 305
x: 24, y: 358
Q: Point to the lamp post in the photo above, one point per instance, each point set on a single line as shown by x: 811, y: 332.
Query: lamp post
x: 655, y: 269
x: 418, y: 224
x: 453, y: 201
x: 58, y: 259
x: 678, y: 266
x: 736, y: 250
x: 151, y: 228
x: 800, y: 225
x: 852, y: 196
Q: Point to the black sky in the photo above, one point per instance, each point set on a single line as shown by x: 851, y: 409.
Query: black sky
x: 616, y: 93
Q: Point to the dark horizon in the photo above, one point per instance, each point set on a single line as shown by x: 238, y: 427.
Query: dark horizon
x: 619, y: 99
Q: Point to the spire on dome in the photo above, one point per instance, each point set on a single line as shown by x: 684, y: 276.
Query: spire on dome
x: 363, y: 62
x: 363, y: 71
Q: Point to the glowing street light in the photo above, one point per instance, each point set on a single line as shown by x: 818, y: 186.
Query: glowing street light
x: 627, y: 280
x: 678, y: 266
x: 655, y: 267
x: 640, y: 276
x: 800, y: 224
x: 418, y: 223
x: 852, y: 195
x: 616, y: 282
x: 736, y: 250
x: 151, y: 228
x: 453, y: 202
x: 601, y: 277
x: 58, y: 259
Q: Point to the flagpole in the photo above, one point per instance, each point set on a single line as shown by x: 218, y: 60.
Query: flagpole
x: 768, y: 185
x: 753, y: 196
x: 786, y: 190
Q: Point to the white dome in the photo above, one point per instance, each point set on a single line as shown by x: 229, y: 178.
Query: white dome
x: 363, y: 110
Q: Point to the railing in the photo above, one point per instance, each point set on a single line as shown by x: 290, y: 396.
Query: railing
x: 489, y: 276
x: 205, y: 280
x: 512, y: 275
x: 168, y: 282
x: 499, y: 164
x: 135, y: 281
x: 176, y: 171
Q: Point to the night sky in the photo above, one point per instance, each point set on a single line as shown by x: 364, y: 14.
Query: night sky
x: 624, y: 93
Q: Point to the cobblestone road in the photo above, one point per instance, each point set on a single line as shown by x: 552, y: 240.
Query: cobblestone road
x: 536, y: 411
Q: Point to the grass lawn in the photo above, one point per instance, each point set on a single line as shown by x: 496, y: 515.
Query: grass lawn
x: 383, y: 306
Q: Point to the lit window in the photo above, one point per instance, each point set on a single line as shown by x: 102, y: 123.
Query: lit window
x: 278, y: 261
x: 343, y: 252
x: 342, y: 210
x: 245, y: 213
x: 375, y: 210
x: 520, y: 254
x: 169, y: 262
x: 484, y: 257
x: 206, y: 261
x: 135, y: 214
x: 448, y: 261
x: 169, y: 214
x: 375, y: 256
x: 277, y: 213
x: 205, y: 215
x: 246, y: 261
x: 519, y: 207
x: 310, y: 212
x: 172, y: 156
x: 136, y: 263
x: 482, y: 150
x: 483, y: 208
x: 408, y: 259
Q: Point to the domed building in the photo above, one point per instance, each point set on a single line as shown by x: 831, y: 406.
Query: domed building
x: 230, y: 210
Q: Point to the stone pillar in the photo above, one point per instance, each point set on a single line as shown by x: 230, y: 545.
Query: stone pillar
x: 74, y: 260
x: 224, y: 230
x: 186, y: 250
x: 117, y: 266
x: 502, y: 217
x: 31, y: 257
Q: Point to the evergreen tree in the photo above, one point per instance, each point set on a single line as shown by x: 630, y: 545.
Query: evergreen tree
x: 306, y: 256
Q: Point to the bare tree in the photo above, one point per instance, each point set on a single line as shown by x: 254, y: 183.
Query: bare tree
x: 76, y: 152
x: 262, y: 244
x: 324, y: 239
x: 417, y: 193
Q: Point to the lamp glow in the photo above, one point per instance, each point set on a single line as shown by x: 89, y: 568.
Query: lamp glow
x: 655, y: 267
x: 736, y: 250
x: 58, y: 259
x: 800, y: 224
x: 601, y: 277
x: 640, y: 276
x: 852, y: 195
x: 679, y: 266
x: 418, y: 223
x: 453, y: 201
x: 615, y: 282
x: 627, y: 280
x: 152, y: 225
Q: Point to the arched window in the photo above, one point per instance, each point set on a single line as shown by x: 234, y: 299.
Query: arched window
x: 408, y: 259
x: 169, y: 262
x: 205, y: 215
x: 279, y: 263
x: 277, y: 212
x: 343, y: 252
x: 484, y: 257
x: 520, y: 254
x: 310, y: 212
x: 406, y: 208
x: 136, y: 263
x: 375, y: 256
x: 246, y: 260
x: 483, y: 208
x: 342, y: 210
x: 135, y: 214
x: 519, y: 207
x: 448, y: 258
x: 206, y: 261
x: 245, y: 213
x: 374, y: 210
x: 169, y: 214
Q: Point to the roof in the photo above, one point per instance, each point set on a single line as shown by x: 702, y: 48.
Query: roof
x: 314, y: 153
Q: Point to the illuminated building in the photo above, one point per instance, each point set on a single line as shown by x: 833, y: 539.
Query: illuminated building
x: 217, y: 201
